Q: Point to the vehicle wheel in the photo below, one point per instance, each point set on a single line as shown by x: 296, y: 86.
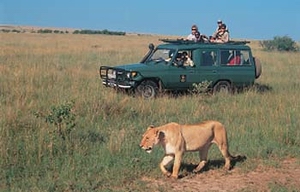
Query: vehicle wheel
x: 147, y: 89
x: 222, y: 87
x: 258, y: 68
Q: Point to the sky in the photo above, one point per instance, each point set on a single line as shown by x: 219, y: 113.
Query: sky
x: 245, y: 19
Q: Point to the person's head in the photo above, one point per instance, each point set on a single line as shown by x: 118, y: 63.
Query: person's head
x: 223, y: 27
x: 197, y: 34
x: 220, y: 22
x: 178, y: 56
x: 194, y: 29
x: 184, y: 55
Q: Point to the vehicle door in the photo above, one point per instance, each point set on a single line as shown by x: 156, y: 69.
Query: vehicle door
x: 181, y: 76
x: 206, y: 63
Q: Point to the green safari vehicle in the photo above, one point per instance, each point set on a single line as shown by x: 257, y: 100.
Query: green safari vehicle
x: 179, y: 65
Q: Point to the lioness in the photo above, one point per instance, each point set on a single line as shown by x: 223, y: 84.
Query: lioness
x: 177, y: 139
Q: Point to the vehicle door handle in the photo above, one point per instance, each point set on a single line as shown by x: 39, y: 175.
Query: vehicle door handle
x: 214, y: 71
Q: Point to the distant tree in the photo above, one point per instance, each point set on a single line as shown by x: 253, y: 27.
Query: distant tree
x: 44, y: 31
x: 5, y: 30
x: 284, y: 43
x: 16, y: 31
x: 105, y: 32
x: 76, y: 32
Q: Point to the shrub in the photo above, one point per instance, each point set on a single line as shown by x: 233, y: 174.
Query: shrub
x: 200, y: 87
x: 284, y: 43
x: 5, y: 30
x: 61, y: 117
x: 44, y: 31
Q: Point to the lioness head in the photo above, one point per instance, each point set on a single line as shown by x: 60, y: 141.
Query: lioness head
x: 150, y: 138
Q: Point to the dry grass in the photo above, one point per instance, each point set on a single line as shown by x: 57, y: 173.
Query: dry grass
x: 39, y: 71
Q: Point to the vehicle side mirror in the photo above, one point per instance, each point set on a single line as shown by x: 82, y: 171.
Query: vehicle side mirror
x: 151, y: 46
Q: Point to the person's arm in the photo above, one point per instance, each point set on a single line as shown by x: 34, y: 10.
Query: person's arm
x: 215, y: 34
x: 190, y: 37
x: 190, y: 62
x: 225, y: 37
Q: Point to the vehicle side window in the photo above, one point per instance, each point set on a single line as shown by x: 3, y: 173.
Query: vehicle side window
x: 235, y: 57
x: 208, y: 58
x: 196, y: 57
x: 245, y: 58
x: 224, y: 57
x: 184, y: 58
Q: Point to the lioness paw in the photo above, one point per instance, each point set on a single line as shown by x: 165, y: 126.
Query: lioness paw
x: 168, y: 174
x: 174, y: 176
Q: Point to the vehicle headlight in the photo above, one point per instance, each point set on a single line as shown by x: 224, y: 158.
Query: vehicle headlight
x: 131, y: 74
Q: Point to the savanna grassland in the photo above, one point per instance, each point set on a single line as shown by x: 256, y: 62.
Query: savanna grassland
x: 42, y: 74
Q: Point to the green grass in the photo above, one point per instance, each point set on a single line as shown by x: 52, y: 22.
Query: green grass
x: 102, y: 152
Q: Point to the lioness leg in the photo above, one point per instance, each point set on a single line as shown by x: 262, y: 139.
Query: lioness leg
x: 227, y: 156
x: 167, y: 159
x: 221, y: 140
x: 203, y: 158
x: 176, y: 166
x: 224, y: 150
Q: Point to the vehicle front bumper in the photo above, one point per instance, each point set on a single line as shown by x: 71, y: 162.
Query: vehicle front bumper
x: 115, y: 77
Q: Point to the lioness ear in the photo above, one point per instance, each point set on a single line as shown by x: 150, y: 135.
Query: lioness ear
x: 150, y: 127
x: 160, y: 135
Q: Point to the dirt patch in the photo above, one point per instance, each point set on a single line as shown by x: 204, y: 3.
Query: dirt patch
x: 263, y: 178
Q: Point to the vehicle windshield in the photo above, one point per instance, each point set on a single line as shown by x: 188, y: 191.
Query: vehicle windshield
x: 161, y: 55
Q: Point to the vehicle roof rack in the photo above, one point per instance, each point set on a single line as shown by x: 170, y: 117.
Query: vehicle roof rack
x: 184, y: 41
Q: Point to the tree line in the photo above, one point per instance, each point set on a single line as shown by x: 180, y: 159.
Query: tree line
x: 85, y: 31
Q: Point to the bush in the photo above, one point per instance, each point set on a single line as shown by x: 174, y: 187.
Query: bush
x: 44, y: 31
x: 61, y: 117
x: 200, y: 87
x: 284, y: 43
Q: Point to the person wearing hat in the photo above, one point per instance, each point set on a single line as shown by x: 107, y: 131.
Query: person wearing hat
x: 222, y: 36
x: 218, y: 29
x: 219, y: 22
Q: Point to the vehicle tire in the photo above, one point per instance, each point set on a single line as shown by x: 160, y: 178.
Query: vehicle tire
x: 258, y: 68
x: 147, y: 89
x: 223, y: 87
